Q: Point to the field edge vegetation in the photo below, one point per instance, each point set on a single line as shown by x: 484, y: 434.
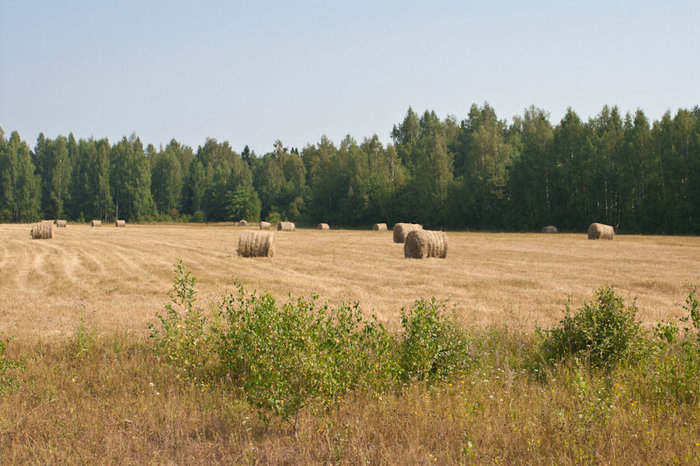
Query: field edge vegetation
x: 251, y: 381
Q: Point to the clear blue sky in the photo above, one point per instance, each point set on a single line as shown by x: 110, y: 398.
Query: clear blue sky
x: 255, y: 71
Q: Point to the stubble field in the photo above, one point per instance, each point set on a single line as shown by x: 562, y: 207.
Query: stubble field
x: 118, y: 278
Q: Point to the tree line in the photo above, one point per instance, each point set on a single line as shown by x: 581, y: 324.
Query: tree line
x: 480, y: 172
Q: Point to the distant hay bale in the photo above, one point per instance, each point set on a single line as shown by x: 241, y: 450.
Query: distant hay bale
x: 42, y: 230
x: 323, y: 226
x: 425, y: 243
x: 96, y: 223
x: 550, y: 229
x: 379, y: 227
x: 120, y: 223
x: 402, y: 229
x: 61, y: 224
x: 256, y: 244
x: 265, y: 225
x: 286, y: 226
x: 243, y: 223
x: 600, y: 231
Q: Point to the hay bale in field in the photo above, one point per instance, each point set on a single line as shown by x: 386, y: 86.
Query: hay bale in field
x: 243, y: 223
x: 61, y: 224
x: 286, y: 226
x: 402, y: 229
x: 550, y: 229
x: 120, y: 223
x: 600, y: 231
x: 379, y: 227
x: 265, y: 225
x: 425, y: 243
x: 42, y: 230
x: 323, y: 226
x: 256, y: 244
x: 96, y: 223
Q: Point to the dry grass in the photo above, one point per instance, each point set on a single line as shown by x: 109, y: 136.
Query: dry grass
x: 116, y: 404
x: 489, y: 277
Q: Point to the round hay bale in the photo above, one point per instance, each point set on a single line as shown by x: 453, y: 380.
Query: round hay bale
x: 600, y: 231
x: 265, y: 225
x: 285, y: 226
x: 425, y: 243
x: 96, y: 223
x: 402, y: 229
x: 323, y: 226
x: 550, y: 229
x: 243, y: 223
x: 61, y: 224
x: 379, y: 227
x: 120, y: 223
x: 42, y: 230
x: 256, y: 244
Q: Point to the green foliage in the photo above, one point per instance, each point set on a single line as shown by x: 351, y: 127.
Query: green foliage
x: 286, y: 357
x: 480, y: 173
x: 84, y: 337
x: 672, y: 371
x: 198, y: 217
x: 433, y: 345
x: 602, y: 332
x: 244, y: 204
x: 8, y: 367
x: 597, y: 397
x: 274, y: 217
x: 182, y: 338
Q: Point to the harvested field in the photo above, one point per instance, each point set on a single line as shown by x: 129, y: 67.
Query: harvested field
x: 119, y: 281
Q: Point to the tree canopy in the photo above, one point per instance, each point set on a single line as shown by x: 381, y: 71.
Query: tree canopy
x: 480, y: 172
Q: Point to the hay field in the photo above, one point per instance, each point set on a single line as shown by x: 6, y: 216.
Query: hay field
x: 119, y: 277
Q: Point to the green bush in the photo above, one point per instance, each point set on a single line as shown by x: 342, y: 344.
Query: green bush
x: 602, y: 332
x: 433, y: 345
x: 673, y: 369
x: 286, y: 357
x: 182, y: 338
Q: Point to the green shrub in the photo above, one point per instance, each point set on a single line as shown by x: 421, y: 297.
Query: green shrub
x: 602, y: 332
x: 182, y: 339
x: 433, y: 345
x: 198, y: 217
x: 673, y: 369
x: 287, y: 357
x: 274, y: 217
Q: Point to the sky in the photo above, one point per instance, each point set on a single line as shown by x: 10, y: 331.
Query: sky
x: 256, y: 71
